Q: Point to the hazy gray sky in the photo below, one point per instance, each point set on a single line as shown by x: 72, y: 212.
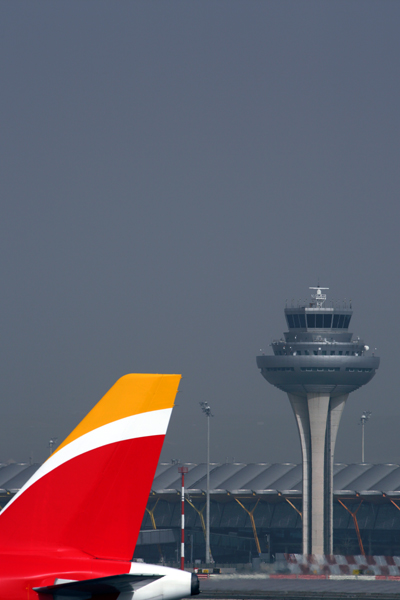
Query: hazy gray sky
x: 171, y: 173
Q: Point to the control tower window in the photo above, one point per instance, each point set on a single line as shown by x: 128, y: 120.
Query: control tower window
x: 290, y: 321
x: 295, y: 321
x: 332, y: 352
x: 327, y: 321
x: 310, y: 320
x: 319, y: 323
x: 341, y: 321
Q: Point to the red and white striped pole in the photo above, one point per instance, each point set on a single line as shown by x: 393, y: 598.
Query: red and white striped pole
x: 183, y: 470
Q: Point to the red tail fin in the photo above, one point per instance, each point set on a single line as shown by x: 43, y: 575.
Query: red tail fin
x: 92, y: 492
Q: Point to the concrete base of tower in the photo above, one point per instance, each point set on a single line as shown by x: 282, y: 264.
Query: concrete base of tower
x: 318, y: 417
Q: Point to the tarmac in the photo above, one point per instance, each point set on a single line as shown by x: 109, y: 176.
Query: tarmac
x: 262, y: 586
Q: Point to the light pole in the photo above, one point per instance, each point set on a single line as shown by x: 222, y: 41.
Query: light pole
x: 364, y: 418
x: 205, y: 407
x: 52, y: 443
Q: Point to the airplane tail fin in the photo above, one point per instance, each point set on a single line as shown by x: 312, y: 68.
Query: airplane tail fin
x: 91, y: 493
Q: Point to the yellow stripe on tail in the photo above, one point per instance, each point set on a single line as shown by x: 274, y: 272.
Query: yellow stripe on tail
x: 130, y: 395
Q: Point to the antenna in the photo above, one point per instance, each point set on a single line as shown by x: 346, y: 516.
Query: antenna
x: 319, y: 296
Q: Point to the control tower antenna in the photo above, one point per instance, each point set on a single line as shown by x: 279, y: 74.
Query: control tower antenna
x: 318, y: 364
x: 319, y: 297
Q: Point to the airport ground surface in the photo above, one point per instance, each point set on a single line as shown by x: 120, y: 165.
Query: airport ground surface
x: 233, y: 587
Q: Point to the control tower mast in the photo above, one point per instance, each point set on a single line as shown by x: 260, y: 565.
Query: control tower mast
x: 318, y: 364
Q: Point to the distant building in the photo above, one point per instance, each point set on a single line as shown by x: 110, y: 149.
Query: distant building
x: 318, y: 363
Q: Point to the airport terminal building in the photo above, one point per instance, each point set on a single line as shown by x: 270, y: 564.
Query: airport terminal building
x: 256, y: 508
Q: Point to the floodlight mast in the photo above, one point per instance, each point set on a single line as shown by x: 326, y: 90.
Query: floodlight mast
x: 205, y: 407
x: 52, y: 443
x: 364, y: 418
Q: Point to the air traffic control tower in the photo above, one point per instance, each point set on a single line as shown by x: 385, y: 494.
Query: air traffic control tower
x: 318, y: 364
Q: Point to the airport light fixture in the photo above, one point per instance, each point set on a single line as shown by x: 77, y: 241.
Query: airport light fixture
x: 364, y: 418
x: 52, y: 443
x: 205, y: 407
